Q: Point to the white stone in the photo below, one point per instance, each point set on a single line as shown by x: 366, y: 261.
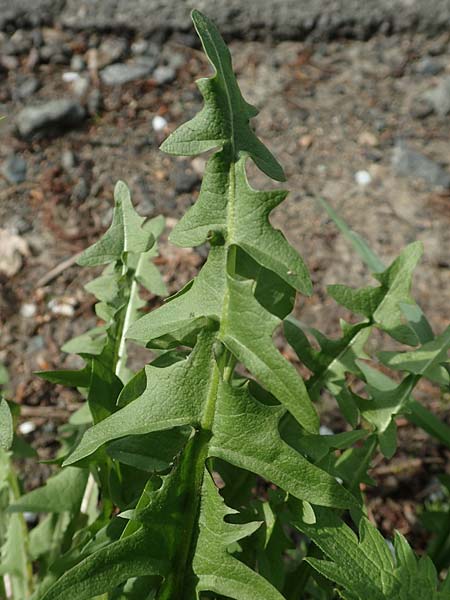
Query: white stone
x: 324, y: 430
x: 70, y: 76
x: 363, y: 178
x: 59, y: 307
x: 28, y: 310
x: 159, y: 123
x: 26, y: 427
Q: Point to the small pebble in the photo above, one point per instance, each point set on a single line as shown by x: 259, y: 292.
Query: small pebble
x: 80, y: 86
x: 139, y: 47
x: 367, y: 138
x: 27, y: 88
x: 35, y: 344
x: 10, y: 63
x: 324, y: 430
x: 428, y: 66
x: 159, y: 123
x: 363, y: 178
x: 77, y: 63
x: 28, y: 310
x: 14, y: 169
x: 439, y: 97
x: 50, y: 117
x: 163, y: 75
x: 31, y: 518
x: 63, y: 309
x: 26, y: 427
x: 121, y: 73
x: 94, y: 101
x: 414, y: 165
x: 70, y: 76
x: 68, y: 160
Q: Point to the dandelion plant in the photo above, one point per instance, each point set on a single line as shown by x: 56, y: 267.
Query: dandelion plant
x: 204, y: 475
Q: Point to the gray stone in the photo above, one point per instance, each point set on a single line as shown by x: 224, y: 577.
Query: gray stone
x: 111, y: 50
x: 49, y: 118
x: 176, y: 60
x: 139, y: 47
x: 21, y: 41
x: 94, y: 101
x: 27, y: 88
x: 281, y: 19
x: 68, y: 160
x: 56, y: 53
x: 164, y: 74
x: 428, y: 66
x: 77, y: 63
x: 121, y: 73
x: 14, y: 169
x: 80, y: 191
x: 80, y: 86
x: 421, y: 108
x: 439, y: 97
x: 61, y: 57
x: 409, y: 163
x: 10, y: 63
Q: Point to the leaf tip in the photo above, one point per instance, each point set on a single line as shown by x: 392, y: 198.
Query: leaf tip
x: 121, y: 192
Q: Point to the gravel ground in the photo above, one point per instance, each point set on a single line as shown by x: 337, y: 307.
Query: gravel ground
x: 280, y: 19
x: 364, y: 124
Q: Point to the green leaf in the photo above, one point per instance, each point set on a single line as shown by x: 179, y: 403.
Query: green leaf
x: 108, y: 568
x: 383, y: 304
x: 151, y: 452
x: 252, y: 230
x: 387, y: 398
x: 148, y: 276
x: 225, y: 116
x: 6, y: 425
x: 81, y: 378
x: 14, y: 551
x: 14, y: 557
x: 332, y: 362
x: 62, y: 492
x: 179, y: 319
x: 425, y: 361
x: 412, y: 312
x: 216, y: 569
x: 418, y: 322
x: 245, y: 433
x: 364, y: 566
x: 4, y: 376
x: 89, y: 343
x: 249, y: 338
x: 247, y: 333
x: 182, y: 391
x: 126, y: 233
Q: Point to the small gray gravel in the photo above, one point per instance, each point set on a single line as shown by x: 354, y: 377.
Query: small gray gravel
x: 14, y: 169
x: 409, y: 163
x: 121, y: 73
x: 439, y: 97
x: 280, y: 19
x: 49, y: 118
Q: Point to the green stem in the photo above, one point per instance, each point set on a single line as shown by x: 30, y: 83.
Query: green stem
x: 229, y: 367
x: 193, y: 469
x: 2, y: 588
x: 126, y: 322
x: 15, y: 493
